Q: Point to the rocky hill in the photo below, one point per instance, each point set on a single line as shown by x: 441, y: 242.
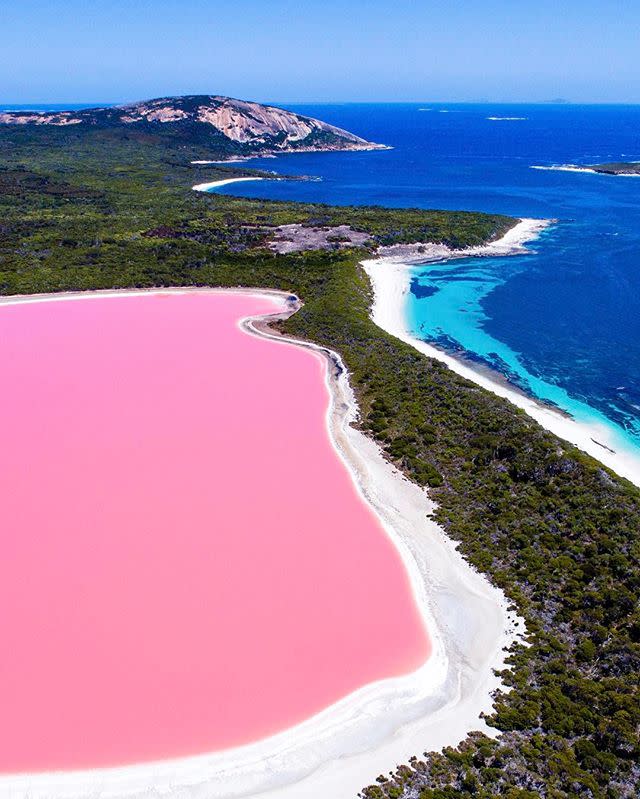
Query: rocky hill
x: 235, y: 126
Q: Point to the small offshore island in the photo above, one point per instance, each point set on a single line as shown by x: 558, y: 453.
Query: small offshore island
x: 103, y: 200
x: 620, y: 168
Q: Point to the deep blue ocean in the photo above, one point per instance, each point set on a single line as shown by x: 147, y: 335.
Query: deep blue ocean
x: 563, y: 323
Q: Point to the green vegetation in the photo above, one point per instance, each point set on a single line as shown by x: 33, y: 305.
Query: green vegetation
x: 557, y: 531
x: 222, y: 126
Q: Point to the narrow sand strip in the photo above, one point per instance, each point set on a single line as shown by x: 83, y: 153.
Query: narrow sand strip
x: 587, y: 170
x: 217, y: 184
x: 338, y: 751
x: 227, y: 161
x: 567, y: 168
x: 391, y: 279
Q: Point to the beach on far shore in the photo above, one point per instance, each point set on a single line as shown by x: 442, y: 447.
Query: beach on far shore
x: 217, y: 184
x: 585, y: 169
x: 390, y: 276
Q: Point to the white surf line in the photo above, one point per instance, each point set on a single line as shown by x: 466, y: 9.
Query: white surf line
x: 217, y: 184
x: 345, y: 747
x: 587, y: 170
x: 391, y: 278
x: 566, y: 168
x: 239, y: 160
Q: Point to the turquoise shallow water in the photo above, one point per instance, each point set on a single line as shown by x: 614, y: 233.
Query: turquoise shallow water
x: 563, y: 323
x: 457, y: 322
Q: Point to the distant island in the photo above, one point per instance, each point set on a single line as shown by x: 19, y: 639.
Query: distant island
x: 628, y: 168
x: 616, y: 168
x: 230, y: 127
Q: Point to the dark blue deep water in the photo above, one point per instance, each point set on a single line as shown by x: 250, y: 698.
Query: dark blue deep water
x: 564, y: 322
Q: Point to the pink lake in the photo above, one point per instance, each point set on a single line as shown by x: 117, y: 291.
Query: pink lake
x: 186, y: 564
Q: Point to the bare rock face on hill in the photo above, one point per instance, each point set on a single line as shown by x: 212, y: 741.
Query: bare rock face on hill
x: 242, y: 127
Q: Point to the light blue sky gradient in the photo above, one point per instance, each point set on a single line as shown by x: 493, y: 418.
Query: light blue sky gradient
x: 329, y: 50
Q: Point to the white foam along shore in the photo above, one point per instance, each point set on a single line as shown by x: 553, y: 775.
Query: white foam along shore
x: 339, y: 751
x: 391, y: 277
x: 564, y: 168
x: 241, y: 159
x: 588, y: 170
x: 217, y: 184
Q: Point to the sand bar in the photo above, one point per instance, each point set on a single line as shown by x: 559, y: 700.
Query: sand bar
x: 218, y: 184
x: 587, y: 170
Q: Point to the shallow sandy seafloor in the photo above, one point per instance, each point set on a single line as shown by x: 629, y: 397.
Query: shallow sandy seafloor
x: 344, y: 748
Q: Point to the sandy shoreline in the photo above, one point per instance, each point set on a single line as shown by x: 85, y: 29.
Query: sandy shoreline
x: 588, y: 170
x: 241, y: 159
x: 217, y: 184
x: 339, y: 751
x: 390, y: 276
x: 564, y: 168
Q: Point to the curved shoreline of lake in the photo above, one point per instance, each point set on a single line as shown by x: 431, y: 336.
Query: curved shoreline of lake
x: 436, y: 705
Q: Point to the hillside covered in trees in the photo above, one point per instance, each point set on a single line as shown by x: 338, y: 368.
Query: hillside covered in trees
x: 220, y: 126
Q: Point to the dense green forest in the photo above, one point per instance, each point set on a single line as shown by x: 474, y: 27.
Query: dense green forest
x: 559, y: 533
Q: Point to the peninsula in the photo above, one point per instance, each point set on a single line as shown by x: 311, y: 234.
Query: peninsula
x: 226, y: 126
x: 103, y: 200
x: 620, y: 168
x: 617, y: 168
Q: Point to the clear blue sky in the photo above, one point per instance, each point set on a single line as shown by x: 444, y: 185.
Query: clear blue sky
x: 323, y: 50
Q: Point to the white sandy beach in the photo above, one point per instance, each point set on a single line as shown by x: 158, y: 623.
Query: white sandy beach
x: 391, y: 275
x: 239, y: 160
x: 217, y: 184
x: 339, y: 751
x: 300, y: 150
x: 566, y: 168
x: 587, y: 170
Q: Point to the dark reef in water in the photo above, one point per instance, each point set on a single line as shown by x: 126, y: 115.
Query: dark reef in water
x: 422, y: 290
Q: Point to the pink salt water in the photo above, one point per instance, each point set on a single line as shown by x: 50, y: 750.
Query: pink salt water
x: 186, y: 564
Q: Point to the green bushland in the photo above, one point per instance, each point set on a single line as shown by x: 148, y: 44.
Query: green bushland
x: 554, y: 529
